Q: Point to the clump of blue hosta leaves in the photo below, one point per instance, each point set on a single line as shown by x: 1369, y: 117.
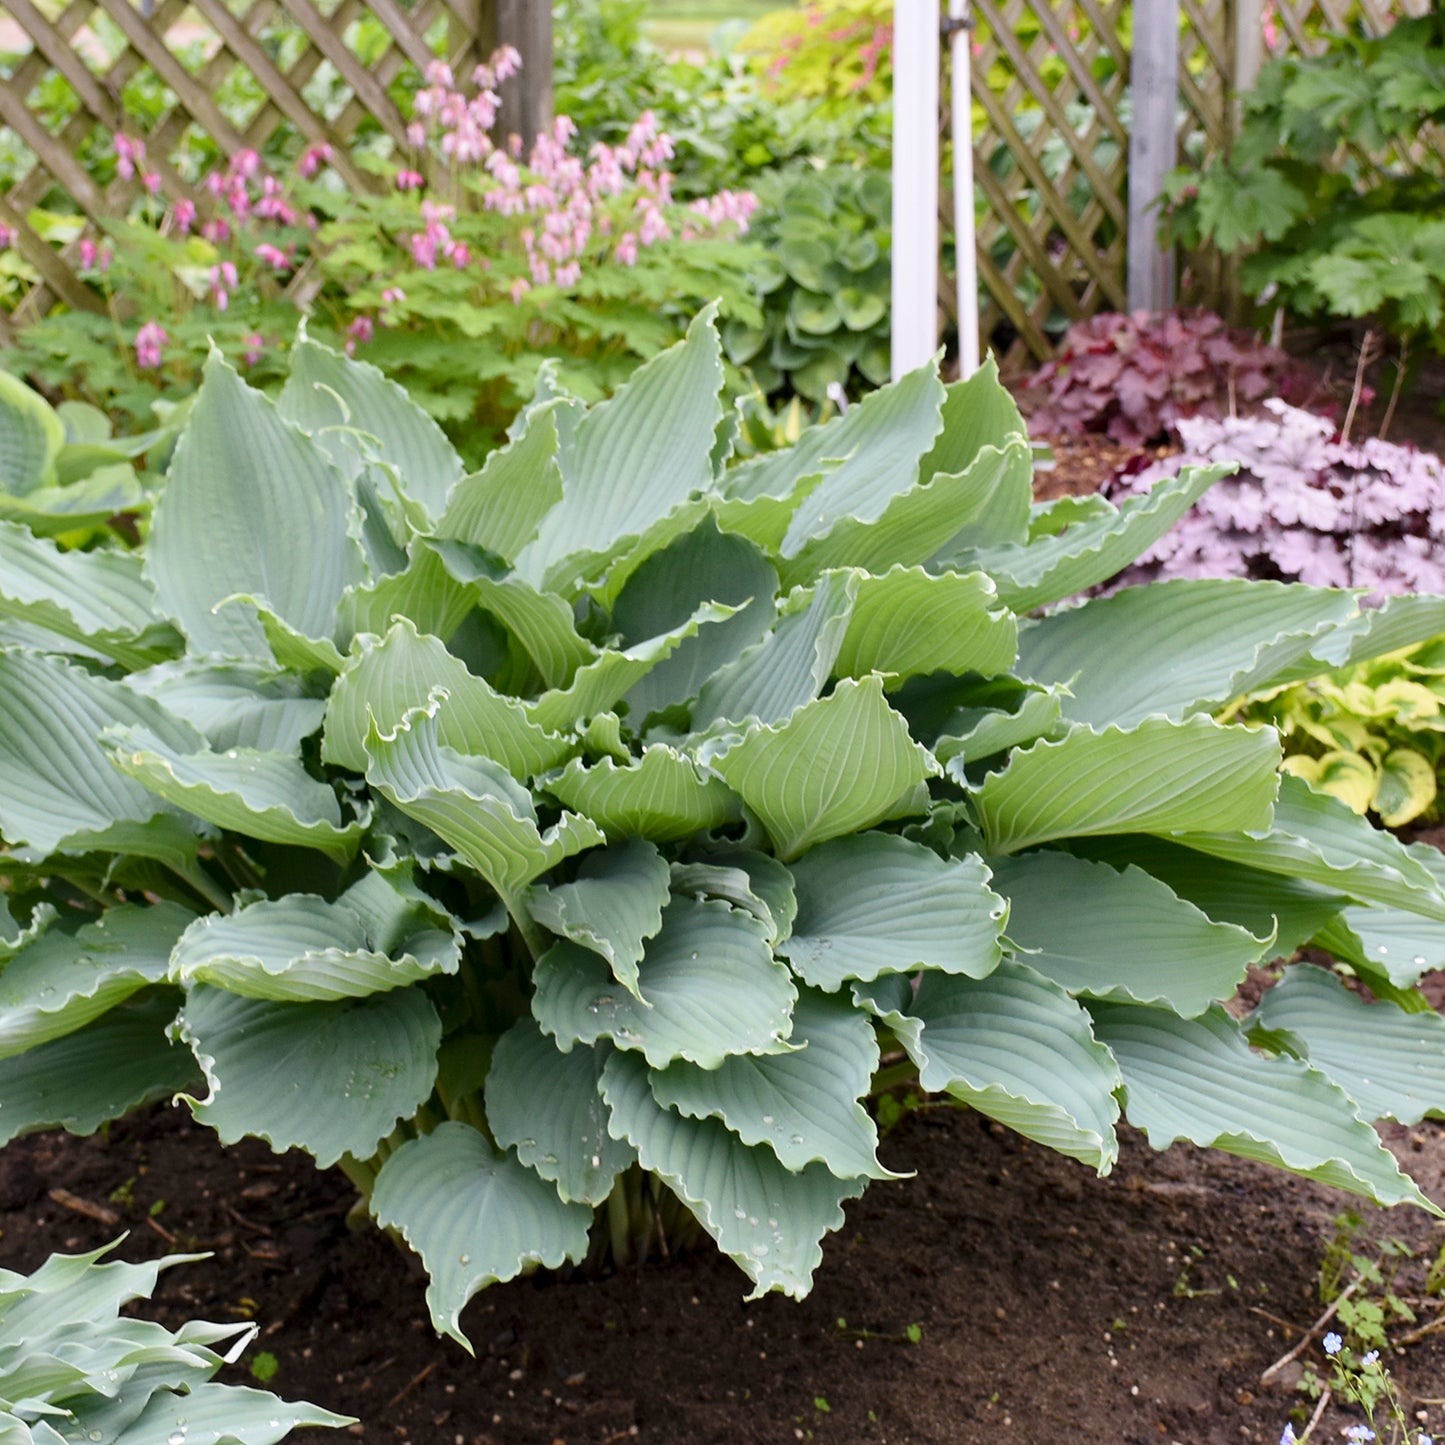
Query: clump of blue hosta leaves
x: 72, y: 1369
x: 1304, y: 506
x: 561, y: 848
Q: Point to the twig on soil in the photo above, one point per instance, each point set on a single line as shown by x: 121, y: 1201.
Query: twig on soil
x: 243, y: 1221
x: 160, y: 1229
x: 410, y: 1385
x: 1289, y: 1325
x: 1313, y: 1330
x: 1415, y: 1336
x: 73, y: 1202
x: 1315, y: 1418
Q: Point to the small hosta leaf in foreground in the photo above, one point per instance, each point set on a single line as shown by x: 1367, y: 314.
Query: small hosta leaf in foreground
x: 1198, y: 1079
x: 770, y: 1220
x: 475, y: 1216
x: 663, y: 795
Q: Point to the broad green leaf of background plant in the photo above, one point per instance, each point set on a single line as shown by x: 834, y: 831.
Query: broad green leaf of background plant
x: 708, y: 986
x: 262, y: 1061
x: 547, y: 1106
x: 836, y: 766
x: 876, y: 903
x: 252, y: 506
x: 475, y: 1216
x: 31, y: 436
x: 1391, y: 1063
x: 769, y: 1220
x: 1198, y: 1079
x: 1155, y: 777
x: 1121, y: 935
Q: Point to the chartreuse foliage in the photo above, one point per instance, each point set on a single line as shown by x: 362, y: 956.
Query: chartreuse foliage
x: 73, y: 1369
x: 568, y: 848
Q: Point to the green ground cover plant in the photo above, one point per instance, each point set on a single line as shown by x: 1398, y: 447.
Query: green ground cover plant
x: 72, y: 1368
x: 568, y: 847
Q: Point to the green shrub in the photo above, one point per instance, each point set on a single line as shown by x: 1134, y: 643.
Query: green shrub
x: 72, y: 1369
x: 561, y: 848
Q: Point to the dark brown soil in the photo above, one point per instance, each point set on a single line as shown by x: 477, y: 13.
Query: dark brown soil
x: 1050, y: 1305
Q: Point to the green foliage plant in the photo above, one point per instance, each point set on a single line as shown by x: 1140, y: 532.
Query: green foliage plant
x: 1372, y: 735
x: 1329, y: 186
x: 567, y: 848
x: 73, y: 1369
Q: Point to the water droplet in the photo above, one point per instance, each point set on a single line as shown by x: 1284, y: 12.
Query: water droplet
x: 767, y: 1118
x: 694, y: 955
x: 753, y: 1220
x: 464, y: 1259
x: 95, y: 1435
x: 759, y: 1251
x: 1381, y: 949
x: 527, y: 1144
x: 596, y: 1161
x: 795, y: 1140
x: 603, y: 1000
x: 1418, y: 960
x: 740, y: 1213
x: 176, y: 1437
x: 772, y: 1224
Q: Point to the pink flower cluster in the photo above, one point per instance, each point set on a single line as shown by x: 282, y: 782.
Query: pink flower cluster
x: 130, y: 160
x: 1304, y: 506
x: 150, y: 342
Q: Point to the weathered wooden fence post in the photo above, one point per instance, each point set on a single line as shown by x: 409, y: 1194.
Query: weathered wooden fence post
x: 1154, y: 91
x: 527, y: 97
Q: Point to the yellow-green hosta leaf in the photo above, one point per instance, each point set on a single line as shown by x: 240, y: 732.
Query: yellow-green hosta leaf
x: 1198, y: 1079
x: 472, y: 803
x: 1121, y: 935
x: 908, y: 623
x: 385, y: 679
x: 251, y: 506
x: 119, y: 1062
x: 1391, y: 1063
x: 803, y: 1105
x: 293, y: 650
x: 663, y: 795
x: 476, y: 1217
x: 614, y: 906
x: 302, y: 949
x: 1407, y: 787
x: 547, y: 1106
x: 1346, y: 776
x: 62, y: 981
x: 877, y: 903
x: 263, y: 1062
x: 1154, y: 777
x: 768, y: 1219
x: 31, y: 438
x: 836, y: 766
x: 262, y: 795
x: 708, y: 986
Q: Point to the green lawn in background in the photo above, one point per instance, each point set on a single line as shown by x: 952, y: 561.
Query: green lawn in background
x: 689, y: 24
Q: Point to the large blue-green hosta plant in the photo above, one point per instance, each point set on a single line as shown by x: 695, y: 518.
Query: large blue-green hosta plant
x: 561, y: 848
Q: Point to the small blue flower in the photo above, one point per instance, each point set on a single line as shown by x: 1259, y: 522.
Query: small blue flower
x: 1332, y: 1343
x: 1359, y: 1432
x: 1424, y: 1439
x: 1289, y: 1437
x: 1369, y: 1359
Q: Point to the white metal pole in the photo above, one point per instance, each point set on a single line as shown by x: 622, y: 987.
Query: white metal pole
x: 965, y: 242
x: 1153, y: 150
x: 915, y: 183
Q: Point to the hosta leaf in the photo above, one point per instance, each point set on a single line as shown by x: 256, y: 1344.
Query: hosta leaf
x: 423, y: 592
x: 54, y: 511
x: 119, y: 1062
x: 877, y: 904
x: 62, y: 981
x: 1406, y: 787
x: 294, y: 651
x: 614, y: 906
x: 749, y: 880
x: 1182, y: 646
x: 472, y: 803
x: 31, y: 436
x: 235, y: 705
x: 790, y: 665
x: 259, y: 795
x: 769, y: 1220
x: 208, y: 1413
x: 1346, y: 776
x: 979, y: 412
x: 98, y: 599
x: 802, y: 1105
x: 1044, y: 570
x: 708, y: 986
x: 475, y: 1216
x: 262, y: 1061
x: 251, y: 506
x: 1317, y: 838
x: 1016, y: 1047
x: 1394, y: 942
x: 384, y: 680
x: 1156, y: 776
x: 633, y: 459
x: 1198, y: 1079
x: 301, y: 949
x: 923, y: 521
x: 545, y: 1104
x: 836, y: 766
x: 501, y: 506
x: 907, y: 622
x: 1391, y: 1063
x: 56, y: 780
x: 985, y: 732
x: 326, y: 390
x: 701, y: 567
x: 663, y: 795
x: 1121, y: 934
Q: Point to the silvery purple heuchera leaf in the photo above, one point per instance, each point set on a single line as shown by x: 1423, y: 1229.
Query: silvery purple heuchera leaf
x: 1304, y: 506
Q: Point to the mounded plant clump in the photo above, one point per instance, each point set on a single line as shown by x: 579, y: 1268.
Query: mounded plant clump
x: 561, y: 847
